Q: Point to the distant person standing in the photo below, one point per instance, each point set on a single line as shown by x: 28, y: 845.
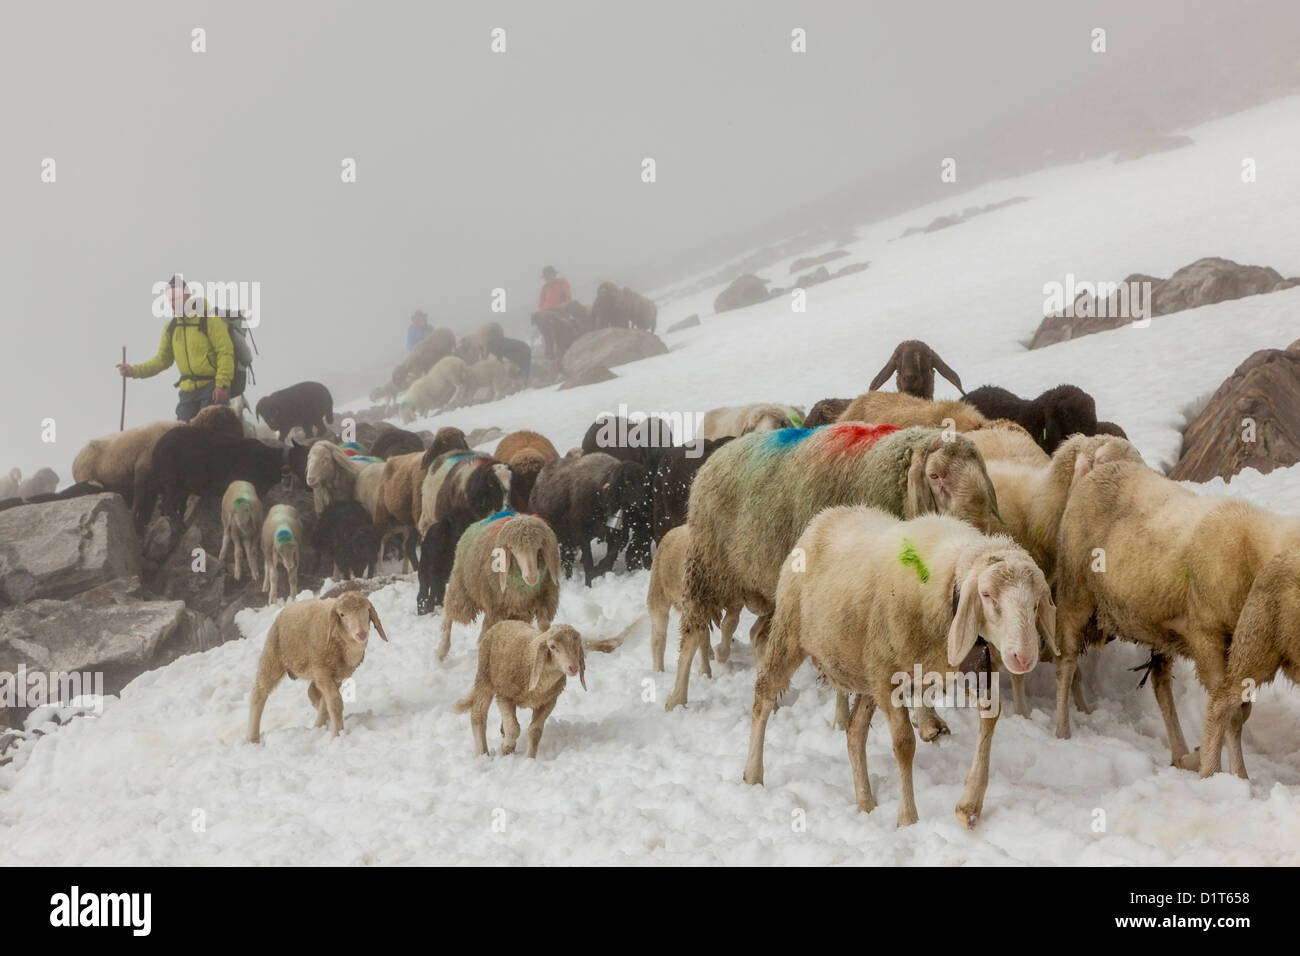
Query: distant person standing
x: 417, y: 331
x: 197, y: 341
x: 555, y: 295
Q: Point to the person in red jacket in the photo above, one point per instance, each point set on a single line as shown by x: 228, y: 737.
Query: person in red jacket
x: 555, y: 293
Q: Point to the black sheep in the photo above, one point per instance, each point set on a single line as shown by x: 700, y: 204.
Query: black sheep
x: 516, y: 352
x: 643, y: 441
x: 307, y: 405
x: 392, y: 442
x: 346, y: 541
x: 670, y: 490
x: 437, y: 555
x: 595, y: 497
x: 197, y: 461
x: 915, y: 364
x: 1051, y: 417
x: 826, y: 412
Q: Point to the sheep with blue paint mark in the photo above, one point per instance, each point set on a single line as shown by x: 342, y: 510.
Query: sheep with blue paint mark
x: 281, y: 547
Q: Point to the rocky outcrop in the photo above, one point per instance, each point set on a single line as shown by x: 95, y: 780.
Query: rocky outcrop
x: 807, y: 262
x: 610, y: 348
x: 59, y: 548
x: 1251, y: 421
x: 744, y: 291
x: 587, y: 376
x: 690, y: 322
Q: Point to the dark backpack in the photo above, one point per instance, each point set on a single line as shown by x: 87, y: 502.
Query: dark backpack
x: 241, y: 338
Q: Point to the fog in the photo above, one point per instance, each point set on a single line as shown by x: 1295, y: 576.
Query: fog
x: 475, y: 168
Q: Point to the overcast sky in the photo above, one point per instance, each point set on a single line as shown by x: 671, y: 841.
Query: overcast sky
x: 474, y: 168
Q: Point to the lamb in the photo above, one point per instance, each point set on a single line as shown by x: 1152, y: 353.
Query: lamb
x: 621, y: 308
x: 439, y: 387
x: 346, y: 541
x: 1179, y: 568
x: 521, y: 667
x: 44, y: 482
x: 241, y: 525
x: 826, y: 411
x: 462, y: 479
x: 323, y: 640
x: 915, y: 364
x: 908, y: 411
x: 307, y: 405
x: 1263, y: 643
x: 197, y: 461
x: 522, y: 553
x: 395, y: 441
x: 1051, y: 418
x: 10, y: 483
x: 1007, y: 441
x: 479, y: 344
x: 281, y: 545
x: 742, y: 419
x: 517, y: 352
x: 870, y: 604
x: 397, y: 499
x: 437, y: 557
x: 753, y: 498
x: 526, y: 452
x: 595, y: 496
x: 435, y: 346
x: 670, y: 490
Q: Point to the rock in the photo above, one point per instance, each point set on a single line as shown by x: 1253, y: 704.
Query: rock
x: 849, y: 269
x: 159, y: 540
x: 690, y: 322
x: 1264, y: 389
x: 747, y: 290
x: 587, y: 376
x: 1159, y: 143
x: 364, y: 585
x: 820, y: 274
x: 809, y: 261
x: 227, y: 630
x: 610, y: 348
x: 68, y: 546
x: 17, y: 587
x: 480, y: 436
x: 1086, y: 318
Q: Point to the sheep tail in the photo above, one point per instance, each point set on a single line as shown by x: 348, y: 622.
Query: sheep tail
x: 609, y: 645
x: 464, y: 704
x: 284, y: 539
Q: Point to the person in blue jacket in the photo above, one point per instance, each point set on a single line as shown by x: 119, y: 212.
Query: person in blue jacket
x: 418, y: 330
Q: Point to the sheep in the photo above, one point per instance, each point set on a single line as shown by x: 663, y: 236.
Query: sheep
x: 331, y: 474
x: 10, y: 483
x: 447, y: 438
x: 439, y: 387
x: 427, y: 352
x: 753, y: 498
x: 1007, y: 441
x: 322, y: 640
x: 479, y: 344
x: 346, y: 541
x: 462, y: 479
x: 742, y: 419
x: 44, y: 482
x: 642, y: 440
x: 588, y: 498
x: 281, y: 544
x: 526, y: 452
x: 826, y: 411
x: 868, y: 605
x: 79, y: 490
x: 437, y: 556
x: 488, y: 374
x: 395, y: 441
x: 1263, y: 642
x: 307, y: 405
x: 397, y: 499
x: 121, y: 463
x: 220, y: 418
x: 1179, y: 568
x: 515, y: 351
x: 558, y: 332
x: 241, y: 525
x: 908, y: 411
x: 1110, y: 428
x: 621, y: 308
x: 521, y: 553
x: 915, y: 364
x: 1031, y: 499
x: 521, y: 667
x: 670, y: 489
x: 1051, y: 418
x: 189, y: 460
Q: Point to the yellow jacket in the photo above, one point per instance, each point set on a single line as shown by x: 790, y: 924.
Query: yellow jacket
x: 200, y: 359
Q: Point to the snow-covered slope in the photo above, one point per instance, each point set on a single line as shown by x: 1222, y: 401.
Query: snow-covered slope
x: 621, y: 781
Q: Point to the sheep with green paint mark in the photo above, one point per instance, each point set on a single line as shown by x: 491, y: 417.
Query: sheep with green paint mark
x: 281, y: 547
x: 241, y: 523
x: 754, y: 497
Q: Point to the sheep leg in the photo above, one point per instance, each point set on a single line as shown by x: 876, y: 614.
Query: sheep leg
x: 691, y: 637
x: 859, y: 724
x: 317, y: 701
x: 731, y: 617
x: 900, y: 729
x: 1018, y: 694
x: 1236, y: 721
x: 928, y: 724
x: 588, y: 564
x: 535, y: 728
x: 1076, y: 691
x: 658, y: 636
x: 977, y: 781
x: 333, y: 699
x: 225, y: 547
x: 842, y: 714
x: 1162, y: 682
x: 478, y: 720
x: 444, y: 645
x: 509, y: 725
x: 293, y: 582
x: 774, y: 672
x: 269, y: 672
x: 706, y: 654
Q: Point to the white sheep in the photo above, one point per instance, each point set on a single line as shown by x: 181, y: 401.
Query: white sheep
x: 241, y: 525
x: 322, y: 640
x: 521, y: 667
x: 437, y: 388
x: 10, y: 483
x: 281, y: 545
x: 869, y: 598
x: 738, y: 420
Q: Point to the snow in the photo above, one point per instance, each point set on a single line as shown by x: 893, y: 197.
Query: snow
x: 164, y: 775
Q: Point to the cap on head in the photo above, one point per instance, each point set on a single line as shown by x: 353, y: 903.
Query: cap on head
x: 549, y: 272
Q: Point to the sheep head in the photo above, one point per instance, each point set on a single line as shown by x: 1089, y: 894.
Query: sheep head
x: 562, y: 647
x: 626, y: 490
x: 352, y: 613
x: 947, y: 476
x: 528, y: 543
x: 1002, y: 597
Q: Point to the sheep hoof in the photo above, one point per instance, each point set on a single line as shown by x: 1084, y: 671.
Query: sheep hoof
x: 933, y: 729
x: 722, y: 653
x: 866, y: 805
x: 674, y: 702
x: 1191, y: 761
x: 907, y: 819
x: 968, y: 817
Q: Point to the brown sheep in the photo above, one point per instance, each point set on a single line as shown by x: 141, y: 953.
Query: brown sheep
x: 322, y: 640
x: 221, y: 419
x: 434, y: 347
x: 398, y: 499
x: 620, y: 308
x: 908, y: 411
x: 526, y: 452
x: 826, y: 411
x: 481, y: 343
x: 915, y: 364
x: 122, y: 462
x: 558, y: 332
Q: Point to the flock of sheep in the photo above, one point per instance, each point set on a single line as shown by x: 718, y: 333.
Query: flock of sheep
x: 874, y: 535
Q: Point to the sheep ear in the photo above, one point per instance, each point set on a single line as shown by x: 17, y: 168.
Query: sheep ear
x: 883, y: 375
x: 551, y: 555
x: 505, y: 572
x: 582, y: 664
x: 539, y: 664
x: 374, y: 619
x: 993, y: 498
x: 918, y: 500
x: 1047, y: 616
x: 965, y: 620
x: 940, y: 366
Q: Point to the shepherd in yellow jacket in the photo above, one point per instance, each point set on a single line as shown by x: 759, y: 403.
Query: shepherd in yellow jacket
x: 200, y: 347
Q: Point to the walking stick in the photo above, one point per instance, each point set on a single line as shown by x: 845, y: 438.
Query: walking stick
x: 121, y: 423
